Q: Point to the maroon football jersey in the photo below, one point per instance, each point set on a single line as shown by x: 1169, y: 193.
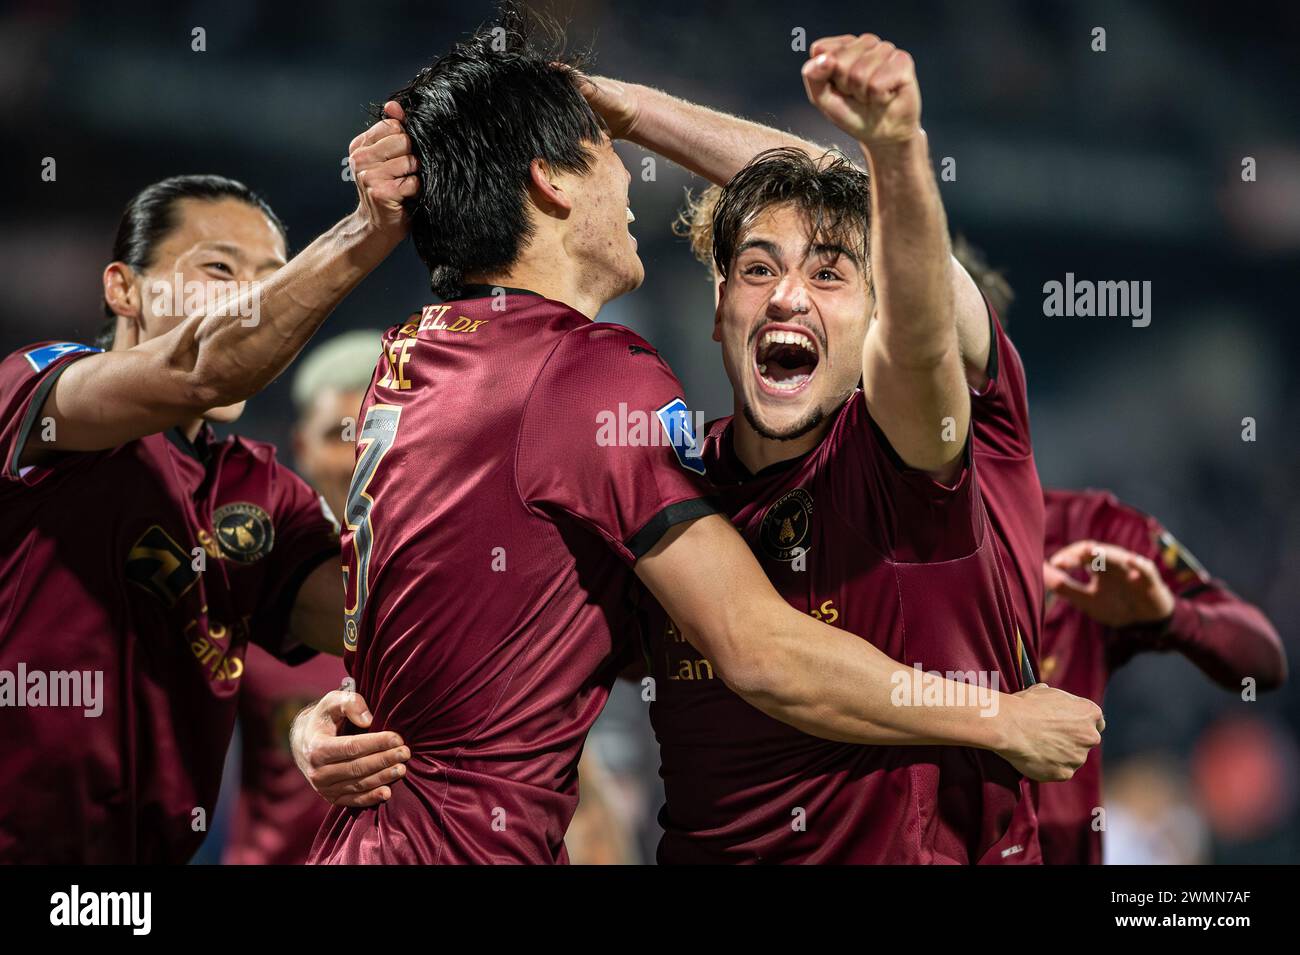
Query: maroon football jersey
x: 1079, y: 654
x: 97, y: 580
x: 1009, y: 483
x: 851, y: 536
x: 278, y: 813
x: 512, y: 465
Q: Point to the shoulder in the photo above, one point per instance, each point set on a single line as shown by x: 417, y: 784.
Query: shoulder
x: 605, y: 338
x: 1099, y: 514
x: 600, y: 356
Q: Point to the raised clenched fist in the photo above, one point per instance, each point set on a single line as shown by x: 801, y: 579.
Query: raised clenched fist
x: 866, y: 86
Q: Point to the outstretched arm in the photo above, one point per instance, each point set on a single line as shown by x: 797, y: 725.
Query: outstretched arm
x: 913, y: 374
x: 212, y: 359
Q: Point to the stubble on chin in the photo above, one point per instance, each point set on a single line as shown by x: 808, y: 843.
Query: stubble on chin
x: 795, y: 431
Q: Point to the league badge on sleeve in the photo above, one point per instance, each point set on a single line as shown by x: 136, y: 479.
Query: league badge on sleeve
x: 43, y: 357
x: 676, y: 419
x: 1178, y: 560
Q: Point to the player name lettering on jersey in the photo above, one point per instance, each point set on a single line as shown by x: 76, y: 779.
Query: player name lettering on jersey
x: 434, y: 318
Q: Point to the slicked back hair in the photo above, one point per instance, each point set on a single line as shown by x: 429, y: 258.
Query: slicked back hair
x: 477, y: 118
x: 829, y: 190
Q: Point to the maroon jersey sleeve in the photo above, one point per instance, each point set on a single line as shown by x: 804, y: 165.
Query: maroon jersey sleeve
x: 1226, y: 637
x: 906, y: 514
x: 1001, y: 410
x: 26, y: 378
x: 606, y: 438
x: 306, y: 535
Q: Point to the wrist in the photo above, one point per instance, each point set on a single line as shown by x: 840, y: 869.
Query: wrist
x: 897, y: 152
x: 646, y: 123
x: 298, y: 738
x: 1167, y: 628
x: 999, y: 732
x: 360, y: 233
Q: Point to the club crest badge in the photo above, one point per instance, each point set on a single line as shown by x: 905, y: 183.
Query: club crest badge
x: 787, y: 526
x: 244, y: 531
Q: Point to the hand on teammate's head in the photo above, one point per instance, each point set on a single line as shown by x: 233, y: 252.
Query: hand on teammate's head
x: 613, y: 101
x: 386, y: 171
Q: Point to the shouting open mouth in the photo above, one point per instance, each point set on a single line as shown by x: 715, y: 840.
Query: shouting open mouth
x: 785, y: 359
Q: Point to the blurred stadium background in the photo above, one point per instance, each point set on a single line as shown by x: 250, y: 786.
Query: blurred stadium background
x: 1115, y: 165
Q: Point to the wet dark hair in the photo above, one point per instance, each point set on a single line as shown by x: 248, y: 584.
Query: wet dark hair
x: 831, y: 191
x: 151, y: 216
x: 477, y: 118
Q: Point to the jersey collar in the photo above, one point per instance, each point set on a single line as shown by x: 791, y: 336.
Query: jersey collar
x: 200, y: 449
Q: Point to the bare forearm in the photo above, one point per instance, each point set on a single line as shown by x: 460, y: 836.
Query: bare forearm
x: 233, y: 358
x: 835, y: 685
x: 709, y: 143
x: 910, y: 255
x: 799, y: 670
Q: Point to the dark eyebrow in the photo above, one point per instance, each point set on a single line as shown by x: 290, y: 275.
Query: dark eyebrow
x: 833, y: 250
x: 765, y: 245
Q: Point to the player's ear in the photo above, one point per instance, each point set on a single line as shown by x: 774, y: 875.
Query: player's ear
x: 717, y: 311
x: 121, y: 293
x: 546, y: 190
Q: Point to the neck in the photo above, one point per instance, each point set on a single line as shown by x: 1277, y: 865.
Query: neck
x: 757, y: 452
x: 547, y: 269
x: 192, y: 427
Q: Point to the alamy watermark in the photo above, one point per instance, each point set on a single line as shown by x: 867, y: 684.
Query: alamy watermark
x: 233, y: 299
x: 74, y: 689
x: 920, y: 687
x: 1084, y: 298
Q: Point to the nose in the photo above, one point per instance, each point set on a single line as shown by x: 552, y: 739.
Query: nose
x: 790, y: 297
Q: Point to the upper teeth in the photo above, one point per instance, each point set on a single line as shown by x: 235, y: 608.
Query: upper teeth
x: 778, y: 337
x: 630, y: 218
